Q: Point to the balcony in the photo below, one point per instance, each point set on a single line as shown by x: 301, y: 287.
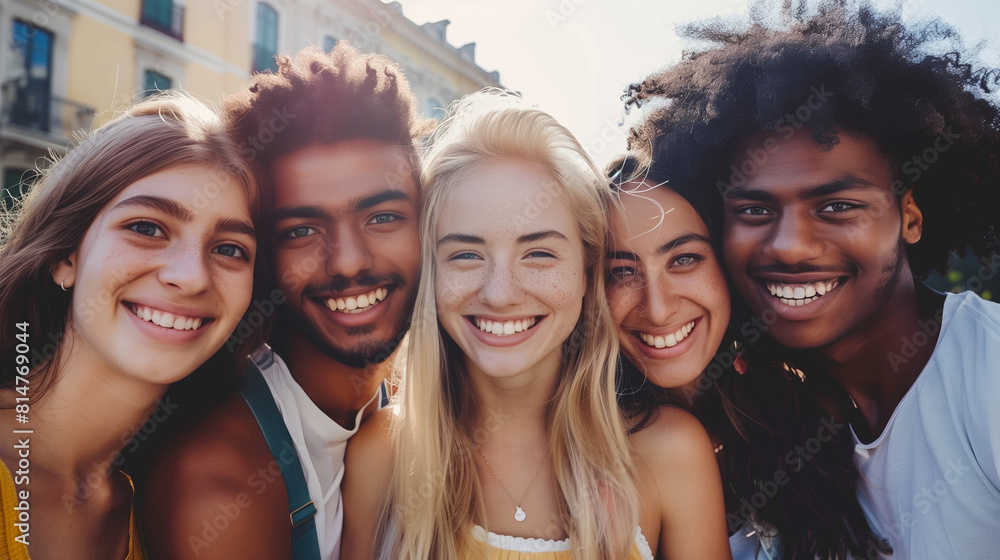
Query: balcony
x: 263, y: 58
x: 40, y: 118
x: 163, y: 16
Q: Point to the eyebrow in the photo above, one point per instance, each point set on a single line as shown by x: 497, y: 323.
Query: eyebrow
x: 662, y: 249
x: 476, y: 240
x: 461, y: 238
x: 824, y: 189
x: 309, y: 212
x: 540, y: 235
x: 378, y: 198
x: 236, y: 226
x: 167, y: 206
x: 358, y: 205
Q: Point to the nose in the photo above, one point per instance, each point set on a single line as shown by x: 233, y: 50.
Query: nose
x: 347, y: 253
x: 187, y: 269
x: 792, y: 240
x: 500, y: 287
x: 660, y: 301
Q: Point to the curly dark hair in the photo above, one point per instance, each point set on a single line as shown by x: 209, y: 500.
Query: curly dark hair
x: 324, y: 98
x: 860, y: 71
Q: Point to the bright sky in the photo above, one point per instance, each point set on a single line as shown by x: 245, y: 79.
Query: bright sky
x: 574, y: 57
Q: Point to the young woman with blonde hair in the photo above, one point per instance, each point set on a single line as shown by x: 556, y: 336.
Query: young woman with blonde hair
x: 135, y: 252
x: 506, y: 440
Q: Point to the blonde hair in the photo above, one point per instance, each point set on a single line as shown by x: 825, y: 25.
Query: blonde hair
x: 434, y: 497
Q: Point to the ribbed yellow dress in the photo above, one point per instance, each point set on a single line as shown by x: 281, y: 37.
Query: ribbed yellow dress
x: 503, y: 547
x: 9, y: 548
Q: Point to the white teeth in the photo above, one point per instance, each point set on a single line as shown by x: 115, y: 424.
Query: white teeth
x: 164, y: 319
x: 669, y: 340
x: 505, y: 328
x: 357, y: 304
x: 797, y: 295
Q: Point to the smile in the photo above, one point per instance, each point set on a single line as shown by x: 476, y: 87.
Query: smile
x: 669, y: 340
x: 504, y: 328
x: 165, y: 319
x: 357, y: 304
x: 796, y: 295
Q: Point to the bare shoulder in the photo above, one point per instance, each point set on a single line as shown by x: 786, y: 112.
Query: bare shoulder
x: 682, y: 500
x: 215, y: 491
x: 373, y: 440
x: 673, y: 432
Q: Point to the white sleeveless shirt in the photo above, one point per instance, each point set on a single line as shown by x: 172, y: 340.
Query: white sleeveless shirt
x: 320, y: 443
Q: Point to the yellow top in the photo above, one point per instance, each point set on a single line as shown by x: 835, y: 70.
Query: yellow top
x: 503, y: 547
x: 15, y: 550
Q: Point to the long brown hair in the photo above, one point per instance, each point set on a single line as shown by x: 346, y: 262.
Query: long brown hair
x: 47, y: 226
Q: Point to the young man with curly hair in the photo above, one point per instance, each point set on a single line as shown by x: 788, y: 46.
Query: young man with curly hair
x: 259, y: 475
x: 847, y: 161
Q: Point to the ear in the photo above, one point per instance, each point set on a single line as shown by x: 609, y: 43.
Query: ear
x: 64, y: 271
x: 913, y: 218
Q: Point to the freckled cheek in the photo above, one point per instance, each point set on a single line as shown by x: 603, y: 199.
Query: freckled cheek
x: 235, y: 288
x: 451, y: 287
x: 562, y: 288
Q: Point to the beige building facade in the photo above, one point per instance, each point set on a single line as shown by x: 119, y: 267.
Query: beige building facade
x: 68, y: 65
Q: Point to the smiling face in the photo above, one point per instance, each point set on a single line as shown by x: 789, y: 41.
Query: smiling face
x: 815, y: 239
x: 667, y: 292
x: 163, y: 275
x: 509, y: 285
x: 346, y: 249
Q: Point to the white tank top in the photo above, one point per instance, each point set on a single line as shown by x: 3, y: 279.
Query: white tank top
x: 320, y: 443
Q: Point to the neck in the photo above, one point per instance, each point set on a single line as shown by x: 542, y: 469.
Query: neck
x: 878, y: 362
x: 518, y: 404
x: 339, y: 390
x: 89, y: 413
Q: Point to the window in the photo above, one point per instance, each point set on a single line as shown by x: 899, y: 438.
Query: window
x: 32, y: 76
x: 163, y: 16
x: 155, y: 82
x: 267, y: 39
x: 328, y: 43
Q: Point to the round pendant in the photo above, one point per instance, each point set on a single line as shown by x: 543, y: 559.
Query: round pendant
x: 519, y: 515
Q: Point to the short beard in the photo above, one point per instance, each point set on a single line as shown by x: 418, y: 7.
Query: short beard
x: 887, y: 287
x: 362, y: 355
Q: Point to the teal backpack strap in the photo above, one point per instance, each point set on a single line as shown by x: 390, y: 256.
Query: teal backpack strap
x: 302, y: 511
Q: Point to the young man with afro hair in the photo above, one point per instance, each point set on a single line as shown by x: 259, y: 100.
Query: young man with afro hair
x: 846, y: 160
x: 259, y: 475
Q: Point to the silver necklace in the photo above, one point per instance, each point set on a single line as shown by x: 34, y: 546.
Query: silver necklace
x: 519, y: 514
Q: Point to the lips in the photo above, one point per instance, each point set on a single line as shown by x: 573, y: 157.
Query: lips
x: 166, y: 319
x: 799, y: 294
x: 357, y: 304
